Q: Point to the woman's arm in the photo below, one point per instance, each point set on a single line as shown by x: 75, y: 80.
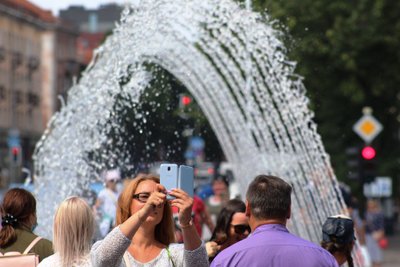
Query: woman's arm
x: 109, y: 252
x: 184, y: 203
x: 130, y: 226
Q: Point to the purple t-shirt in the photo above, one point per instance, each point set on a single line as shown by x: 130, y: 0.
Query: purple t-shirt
x: 271, y: 245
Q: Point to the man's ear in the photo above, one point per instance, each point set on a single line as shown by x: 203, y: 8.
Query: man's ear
x: 289, y: 213
x: 247, y: 211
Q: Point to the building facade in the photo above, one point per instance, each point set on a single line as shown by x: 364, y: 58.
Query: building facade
x: 37, y: 62
x: 93, y: 24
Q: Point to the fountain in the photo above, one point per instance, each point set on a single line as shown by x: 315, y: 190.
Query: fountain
x: 218, y: 50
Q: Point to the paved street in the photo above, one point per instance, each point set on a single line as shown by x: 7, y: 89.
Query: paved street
x: 391, y: 255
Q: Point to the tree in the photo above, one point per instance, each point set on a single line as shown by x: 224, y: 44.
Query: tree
x: 348, y: 53
x: 151, y: 130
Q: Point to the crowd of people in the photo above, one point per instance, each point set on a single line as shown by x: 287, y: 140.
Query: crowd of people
x: 138, y: 228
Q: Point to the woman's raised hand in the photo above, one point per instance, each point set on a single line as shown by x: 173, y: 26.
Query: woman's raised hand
x: 184, y: 203
x: 156, y: 199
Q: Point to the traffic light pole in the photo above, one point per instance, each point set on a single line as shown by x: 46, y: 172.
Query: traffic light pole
x: 14, y: 165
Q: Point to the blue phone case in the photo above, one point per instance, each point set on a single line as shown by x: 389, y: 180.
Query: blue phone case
x: 169, y: 177
x: 185, y: 179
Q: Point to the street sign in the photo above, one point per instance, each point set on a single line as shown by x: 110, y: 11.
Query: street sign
x: 381, y: 187
x: 367, y: 127
x: 197, y: 143
x: 13, y: 138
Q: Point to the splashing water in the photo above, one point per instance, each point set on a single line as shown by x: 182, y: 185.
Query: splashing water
x: 233, y: 63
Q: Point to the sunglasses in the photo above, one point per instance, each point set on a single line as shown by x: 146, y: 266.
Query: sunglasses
x: 142, y: 197
x: 241, y: 228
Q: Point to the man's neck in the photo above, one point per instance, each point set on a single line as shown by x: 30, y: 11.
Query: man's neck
x: 254, y: 223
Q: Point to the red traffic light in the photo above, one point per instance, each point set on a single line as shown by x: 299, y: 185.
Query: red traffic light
x: 15, y: 150
x: 368, y: 153
x: 186, y: 100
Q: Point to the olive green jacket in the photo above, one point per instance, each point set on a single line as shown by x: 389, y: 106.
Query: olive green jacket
x: 43, y: 248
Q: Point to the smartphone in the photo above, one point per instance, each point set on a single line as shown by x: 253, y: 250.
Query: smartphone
x: 169, y: 177
x: 185, y: 179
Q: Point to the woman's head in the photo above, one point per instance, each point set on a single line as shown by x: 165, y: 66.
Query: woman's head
x: 338, y: 238
x: 220, y: 186
x: 134, y: 197
x: 232, y: 223
x: 372, y: 205
x: 18, y: 210
x: 73, y: 230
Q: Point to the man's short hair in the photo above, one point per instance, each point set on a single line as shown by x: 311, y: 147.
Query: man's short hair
x: 269, y: 197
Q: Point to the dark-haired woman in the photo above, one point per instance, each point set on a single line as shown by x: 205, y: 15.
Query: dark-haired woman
x: 18, y: 218
x: 232, y: 226
x: 338, y: 238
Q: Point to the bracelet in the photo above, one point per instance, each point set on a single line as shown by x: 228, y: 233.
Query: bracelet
x: 184, y: 226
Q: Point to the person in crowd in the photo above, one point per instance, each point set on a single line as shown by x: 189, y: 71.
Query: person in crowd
x: 374, y: 231
x: 200, y: 217
x: 73, y: 230
x: 268, y: 206
x: 145, y: 235
x: 106, y: 204
x: 338, y: 238
x: 232, y: 226
x: 220, y: 196
x: 18, y: 212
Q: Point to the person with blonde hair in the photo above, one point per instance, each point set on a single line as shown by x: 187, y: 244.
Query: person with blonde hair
x: 73, y: 230
x: 18, y: 220
x: 145, y: 232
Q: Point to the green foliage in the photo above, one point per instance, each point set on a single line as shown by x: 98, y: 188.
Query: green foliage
x: 151, y: 129
x: 348, y: 52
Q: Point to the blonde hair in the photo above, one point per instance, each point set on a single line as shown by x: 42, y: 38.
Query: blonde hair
x: 73, y: 230
x: 164, y: 231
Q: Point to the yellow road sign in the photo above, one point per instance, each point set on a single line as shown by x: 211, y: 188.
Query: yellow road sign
x: 367, y: 127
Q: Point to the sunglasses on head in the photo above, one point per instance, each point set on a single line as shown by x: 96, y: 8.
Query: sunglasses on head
x: 241, y: 228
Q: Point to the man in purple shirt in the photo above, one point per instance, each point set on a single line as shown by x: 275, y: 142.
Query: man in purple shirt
x: 270, y: 244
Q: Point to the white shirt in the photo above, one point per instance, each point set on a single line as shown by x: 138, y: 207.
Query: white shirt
x: 108, y: 199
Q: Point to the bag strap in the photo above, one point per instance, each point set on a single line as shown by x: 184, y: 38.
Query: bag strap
x: 31, y: 245
x: 126, y: 260
x: 169, y: 257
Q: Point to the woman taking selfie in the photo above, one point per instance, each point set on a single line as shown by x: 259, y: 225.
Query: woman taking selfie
x: 145, y: 234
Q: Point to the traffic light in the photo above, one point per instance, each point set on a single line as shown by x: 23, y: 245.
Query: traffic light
x: 368, y: 164
x: 368, y: 153
x: 15, y: 155
x: 184, y: 100
x: 353, y: 163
